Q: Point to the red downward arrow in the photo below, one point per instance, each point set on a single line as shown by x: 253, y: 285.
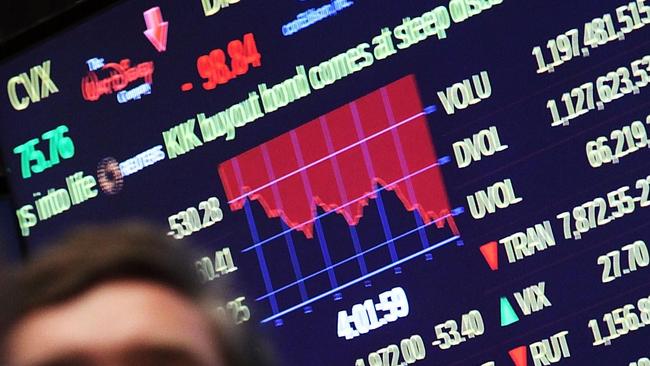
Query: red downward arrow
x: 519, y: 356
x: 490, y: 252
x: 156, y: 29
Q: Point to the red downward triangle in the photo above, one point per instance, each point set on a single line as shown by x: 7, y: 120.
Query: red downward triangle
x: 519, y: 356
x: 490, y: 252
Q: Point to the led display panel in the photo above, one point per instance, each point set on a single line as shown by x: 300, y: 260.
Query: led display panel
x: 452, y: 182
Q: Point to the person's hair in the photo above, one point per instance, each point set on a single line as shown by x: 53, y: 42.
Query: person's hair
x: 90, y: 256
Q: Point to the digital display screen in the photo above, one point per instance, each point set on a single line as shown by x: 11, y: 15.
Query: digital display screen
x: 459, y: 182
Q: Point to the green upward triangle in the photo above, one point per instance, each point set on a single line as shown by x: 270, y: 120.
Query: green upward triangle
x: 508, y: 315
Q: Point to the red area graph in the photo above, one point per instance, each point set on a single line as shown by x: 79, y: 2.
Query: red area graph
x: 336, y: 160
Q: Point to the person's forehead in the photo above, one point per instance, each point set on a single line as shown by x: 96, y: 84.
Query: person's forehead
x: 113, y: 317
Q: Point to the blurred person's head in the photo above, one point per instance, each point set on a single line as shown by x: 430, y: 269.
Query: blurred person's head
x: 114, y: 295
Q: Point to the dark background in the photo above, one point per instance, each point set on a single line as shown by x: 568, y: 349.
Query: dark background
x: 547, y: 166
x: 17, y: 16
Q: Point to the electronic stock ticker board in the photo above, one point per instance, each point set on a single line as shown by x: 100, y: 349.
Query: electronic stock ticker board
x: 459, y: 182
